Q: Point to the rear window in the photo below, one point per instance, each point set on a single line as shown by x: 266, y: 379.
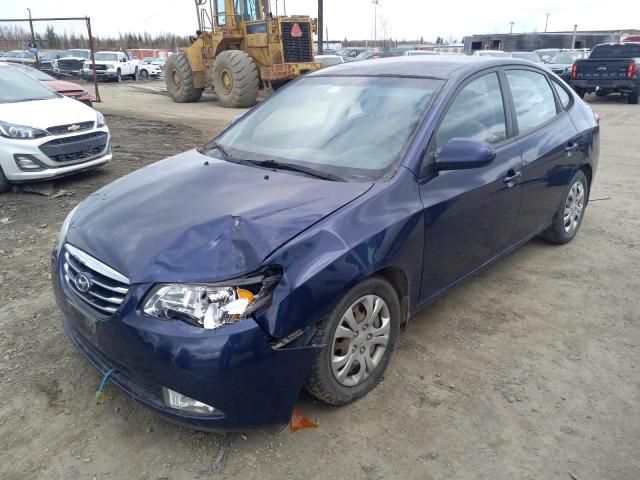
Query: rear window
x: 619, y: 50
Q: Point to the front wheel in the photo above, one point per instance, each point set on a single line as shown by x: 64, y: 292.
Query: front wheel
x: 144, y: 75
x: 235, y: 79
x: 568, y: 218
x: 359, y: 337
x: 118, y: 76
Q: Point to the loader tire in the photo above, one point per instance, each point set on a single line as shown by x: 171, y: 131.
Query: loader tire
x: 179, y: 79
x: 235, y: 79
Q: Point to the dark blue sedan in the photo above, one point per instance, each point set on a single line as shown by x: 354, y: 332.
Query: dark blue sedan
x: 287, y: 252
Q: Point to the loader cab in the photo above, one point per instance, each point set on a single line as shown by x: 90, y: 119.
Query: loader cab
x: 239, y: 11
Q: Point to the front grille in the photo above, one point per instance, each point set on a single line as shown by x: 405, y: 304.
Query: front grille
x: 78, y: 147
x: 296, y: 49
x: 70, y: 64
x: 63, y: 129
x: 105, y: 288
x: 101, y: 67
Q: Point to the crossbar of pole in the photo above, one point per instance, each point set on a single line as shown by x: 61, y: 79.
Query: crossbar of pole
x: 87, y: 21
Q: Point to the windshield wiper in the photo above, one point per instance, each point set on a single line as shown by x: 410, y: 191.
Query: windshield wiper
x: 294, y: 168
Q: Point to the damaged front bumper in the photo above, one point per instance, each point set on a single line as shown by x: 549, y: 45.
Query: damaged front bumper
x: 235, y: 369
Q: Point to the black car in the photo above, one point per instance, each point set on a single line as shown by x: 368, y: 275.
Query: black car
x: 612, y: 67
x: 561, y: 63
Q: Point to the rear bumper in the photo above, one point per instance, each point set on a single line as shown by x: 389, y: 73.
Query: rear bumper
x: 234, y: 369
x: 592, y: 85
x: 287, y: 71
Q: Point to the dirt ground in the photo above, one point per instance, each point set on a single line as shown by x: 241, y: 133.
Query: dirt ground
x: 530, y: 370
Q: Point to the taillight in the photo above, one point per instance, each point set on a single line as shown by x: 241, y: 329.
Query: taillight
x: 632, y: 70
x: 574, y: 71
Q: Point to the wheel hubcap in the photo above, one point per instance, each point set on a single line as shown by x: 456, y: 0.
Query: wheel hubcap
x: 227, y: 81
x: 177, y: 79
x: 573, y: 207
x: 360, y: 340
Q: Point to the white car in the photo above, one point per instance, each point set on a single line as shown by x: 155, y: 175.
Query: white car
x: 148, y: 70
x: 491, y: 53
x: 45, y: 135
x: 112, y: 65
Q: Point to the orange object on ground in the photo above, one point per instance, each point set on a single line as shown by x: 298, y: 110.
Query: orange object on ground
x: 300, y: 421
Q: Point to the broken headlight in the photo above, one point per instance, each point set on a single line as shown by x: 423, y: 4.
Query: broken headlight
x: 210, y: 305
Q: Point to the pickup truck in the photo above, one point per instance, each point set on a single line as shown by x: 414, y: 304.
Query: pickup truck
x: 611, y: 67
x: 113, y: 66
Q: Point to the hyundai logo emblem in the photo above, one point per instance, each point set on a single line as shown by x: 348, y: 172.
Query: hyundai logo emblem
x: 82, y: 283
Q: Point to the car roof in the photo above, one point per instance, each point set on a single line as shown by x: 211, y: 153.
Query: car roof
x: 425, y: 66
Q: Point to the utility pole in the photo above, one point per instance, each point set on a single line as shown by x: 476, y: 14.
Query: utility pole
x: 573, y: 41
x: 546, y: 23
x: 33, y: 37
x: 511, y: 31
x: 320, y: 26
x: 375, y: 21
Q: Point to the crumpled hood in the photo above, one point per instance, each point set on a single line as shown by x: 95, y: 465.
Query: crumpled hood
x: 180, y: 220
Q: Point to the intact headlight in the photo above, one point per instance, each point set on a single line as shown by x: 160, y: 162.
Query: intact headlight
x: 100, y: 122
x: 20, y: 132
x: 210, y: 305
x: 65, y: 227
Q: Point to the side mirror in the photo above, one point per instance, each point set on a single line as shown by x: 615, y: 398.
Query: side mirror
x: 463, y: 153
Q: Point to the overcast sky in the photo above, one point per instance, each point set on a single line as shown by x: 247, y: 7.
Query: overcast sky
x: 353, y: 19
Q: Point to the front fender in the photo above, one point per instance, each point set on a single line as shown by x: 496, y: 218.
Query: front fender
x: 383, y: 228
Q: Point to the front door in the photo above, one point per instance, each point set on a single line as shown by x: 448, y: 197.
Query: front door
x: 470, y: 215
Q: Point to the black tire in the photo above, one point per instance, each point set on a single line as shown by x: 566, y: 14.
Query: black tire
x: 118, y: 76
x: 321, y: 382
x: 5, y: 185
x: 601, y: 93
x: 179, y: 79
x: 235, y: 79
x: 633, y: 97
x: 580, y: 92
x: 144, y: 75
x: 557, y: 233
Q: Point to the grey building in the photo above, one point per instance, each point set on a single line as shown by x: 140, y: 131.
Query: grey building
x: 515, y: 42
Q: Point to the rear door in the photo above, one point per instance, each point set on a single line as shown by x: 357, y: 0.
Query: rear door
x: 470, y: 215
x: 548, y: 142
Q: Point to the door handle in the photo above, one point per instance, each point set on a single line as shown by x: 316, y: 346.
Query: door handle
x: 572, y: 147
x: 511, y: 178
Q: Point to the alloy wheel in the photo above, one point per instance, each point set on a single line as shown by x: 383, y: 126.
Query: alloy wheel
x: 573, y: 207
x: 360, y: 340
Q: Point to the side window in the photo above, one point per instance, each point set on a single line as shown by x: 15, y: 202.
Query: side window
x: 532, y: 98
x: 563, y: 95
x: 476, y: 113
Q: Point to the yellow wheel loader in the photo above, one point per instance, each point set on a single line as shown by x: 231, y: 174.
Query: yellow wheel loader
x: 240, y: 47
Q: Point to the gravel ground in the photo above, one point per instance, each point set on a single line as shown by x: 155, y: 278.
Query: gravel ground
x: 529, y: 370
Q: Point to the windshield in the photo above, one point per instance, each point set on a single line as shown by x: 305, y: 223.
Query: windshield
x: 533, y: 57
x: 619, y: 50
x: 77, y: 53
x: 33, y: 73
x: 247, y: 9
x: 113, y: 57
x: 15, y: 86
x: 566, y: 58
x: 351, y: 127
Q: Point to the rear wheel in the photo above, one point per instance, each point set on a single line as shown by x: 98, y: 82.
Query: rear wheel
x: 359, y: 337
x: 568, y: 217
x: 633, y: 97
x: 179, y: 79
x: 235, y: 79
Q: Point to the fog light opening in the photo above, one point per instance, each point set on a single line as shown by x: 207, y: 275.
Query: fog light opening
x: 178, y: 401
x: 27, y: 163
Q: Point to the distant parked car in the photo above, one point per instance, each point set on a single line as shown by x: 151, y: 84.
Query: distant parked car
x: 547, y: 53
x: 491, y: 53
x: 68, y: 89
x: 149, y: 70
x: 113, y: 66
x: 410, y: 53
x: 44, y: 134
x: 349, y: 54
x: 531, y: 56
x: 46, y: 59
x: 159, y: 62
x: 327, y: 60
x: 148, y: 59
x: 71, y: 62
x: 19, y: 56
x: 561, y: 63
